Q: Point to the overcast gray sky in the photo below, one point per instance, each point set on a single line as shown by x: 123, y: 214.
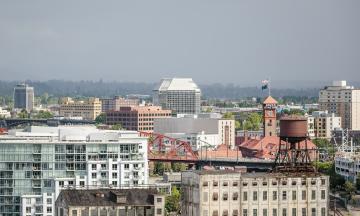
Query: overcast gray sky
x: 235, y: 41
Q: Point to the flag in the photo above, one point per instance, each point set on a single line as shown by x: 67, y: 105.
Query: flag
x: 265, y: 84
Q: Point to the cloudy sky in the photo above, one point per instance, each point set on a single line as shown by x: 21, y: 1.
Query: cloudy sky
x: 212, y: 41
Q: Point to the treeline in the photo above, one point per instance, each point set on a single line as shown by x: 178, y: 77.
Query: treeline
x: 109, y: 89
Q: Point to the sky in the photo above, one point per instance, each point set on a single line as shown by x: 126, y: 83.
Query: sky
x: 212, y: 41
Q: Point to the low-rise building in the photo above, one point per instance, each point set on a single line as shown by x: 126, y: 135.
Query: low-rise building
x: 225, y: 192
x: 117, y: 102
x: 197, y: 124
x: 4, y: 113
x: 139, y: 118
x: 87, y: 110
x: 110, y: 202
x: 197, y: 140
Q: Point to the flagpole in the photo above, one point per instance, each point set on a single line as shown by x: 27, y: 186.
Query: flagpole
x: 269, y: 86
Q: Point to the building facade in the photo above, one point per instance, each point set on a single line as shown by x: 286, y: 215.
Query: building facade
x: 138, y: 118
x: 37, y: 163
x: 115, y: 103
x: 347, y: 164
x: 87, y: 110
x: 110, y: 202
x: 24, y: 97
x: 343, y: 101
x: 269, y: 116
x: 321, y: 124
x: 181, y: 95
x: 220, y: 193
x: 191, y: 124
x: 4, y: 113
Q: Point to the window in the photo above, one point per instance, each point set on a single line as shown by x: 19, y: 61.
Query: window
x: 313, y: 195
x: 265, y: 195
x: 255, y: 196
x: 126, y: 166
x: 303, y: 212
x: 235, y: 212
x: 225, y: 184
x: 82, y: 183
x: 114, y: 175
x: 158, y: 211
x: 93, y: 175
x: 235, y: 184
x: 93, y: 166
x: 313, y: 212
x: 61, y: 183
x: 49, y: 201
x: 235, y: 196
x: 48, y: 209
x: 293, y: 195
x: 159, y: 199
x: 71, y: 182
x: 303, y: 195
x: 225, y: 196
x: 245, y: 184
x: 255, y: 212
x: 264, y: 212
x: 103, y: 166
x: 274, y: 212
x: 225, y: 213
x: 245, y: 212
x: 284, y: 182
x: 284, y: 212
x: 323, y: 194
x: 215, y: 213
x: 264, y: 183
x: 74, y: 212
x: 215, y: 196
x: 215, y: 183
x: 323, y: 181
x: 28, y: 209
x: 205, y: 184
x: 323, y: 211
x: 254, y: 184
x: 284, y: 195
x: 114, y: 166
x: 274, y: 195
x: 293, y: 212
x: 245, y: 196
x: 114, y: 183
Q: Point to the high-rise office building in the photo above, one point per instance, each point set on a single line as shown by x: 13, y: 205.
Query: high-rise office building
x: 36, y: 164
x: 181, y: 95
x: 23, y: 97
x: 343, y: 101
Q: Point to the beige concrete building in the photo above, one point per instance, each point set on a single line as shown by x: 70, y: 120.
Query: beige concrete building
x: 87, y: 110
x: 225, y: 193
x: 110, y: 202
x: 343, y: 101
x: 139, y: 118
x: 322, y: 123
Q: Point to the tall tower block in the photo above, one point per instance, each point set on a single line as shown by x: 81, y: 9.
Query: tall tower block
x: 269, y: 116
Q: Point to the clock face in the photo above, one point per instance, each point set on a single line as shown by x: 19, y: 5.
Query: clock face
x: 269, y: 113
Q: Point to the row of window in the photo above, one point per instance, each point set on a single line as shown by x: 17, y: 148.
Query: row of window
x: 235, y: 183
x: 284, y: 195
x: 265, y: 212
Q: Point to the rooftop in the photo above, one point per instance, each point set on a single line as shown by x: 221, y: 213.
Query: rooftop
x: 108, y: 197
x: 270, y: 100
x: 185, y: 84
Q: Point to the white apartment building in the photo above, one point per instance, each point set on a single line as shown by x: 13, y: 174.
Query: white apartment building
x: 347, y: 164
x: 343, y: 101
x: 224, y: 192
x: 181, y: 95
x: 37, y: 163
x: 194, y: 124
x: 321, y: 124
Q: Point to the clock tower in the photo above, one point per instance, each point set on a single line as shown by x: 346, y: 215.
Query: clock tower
x: 269, y: 116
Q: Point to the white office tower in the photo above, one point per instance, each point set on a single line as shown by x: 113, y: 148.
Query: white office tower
x: 24, y: 97
x: 37, y: 163
x: 181, y: 95
x: 343, y: 101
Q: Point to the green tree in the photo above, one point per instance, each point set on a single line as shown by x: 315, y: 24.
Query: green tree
x: 237, y: 125
x: 116, y: 127
x: 349, y: 187
x: 161, y: 167
x: 43, y: 115
x: 100, y: 119
x: 358, y: 181
x: 23, y: 114
x: 172, y: 202
x: 228, y: 115
x: 178, y: 167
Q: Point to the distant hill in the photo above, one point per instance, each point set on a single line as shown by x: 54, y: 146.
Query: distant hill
x: 109, y: 89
